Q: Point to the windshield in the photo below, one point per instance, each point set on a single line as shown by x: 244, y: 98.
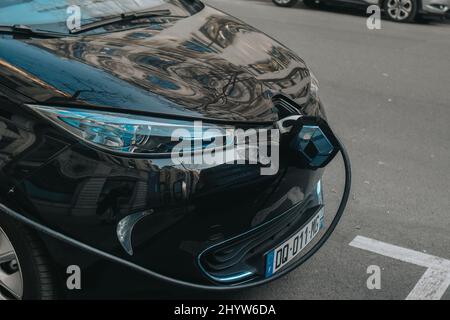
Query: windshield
x: 66, y: 15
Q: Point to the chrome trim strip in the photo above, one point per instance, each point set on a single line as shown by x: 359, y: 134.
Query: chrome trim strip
x: 125, y: 229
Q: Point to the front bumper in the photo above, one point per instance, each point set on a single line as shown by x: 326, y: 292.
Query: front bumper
x: 85, y: 195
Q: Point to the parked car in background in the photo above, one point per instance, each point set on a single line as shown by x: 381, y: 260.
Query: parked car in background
x: 396, y: 10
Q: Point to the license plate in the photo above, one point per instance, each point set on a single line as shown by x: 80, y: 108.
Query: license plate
x: 286, y: 252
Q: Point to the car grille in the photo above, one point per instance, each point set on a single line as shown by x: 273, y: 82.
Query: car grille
x: 243, y: 253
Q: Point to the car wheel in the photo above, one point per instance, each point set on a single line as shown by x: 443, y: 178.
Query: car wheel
x: 285, y: 3
x: 401, y: 10
x: 24, y: 266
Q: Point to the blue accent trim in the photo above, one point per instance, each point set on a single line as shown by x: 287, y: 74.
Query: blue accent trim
x: 233, y: 277
x: 320, y: 199
x: 319, y: 192
x: 269, y: 264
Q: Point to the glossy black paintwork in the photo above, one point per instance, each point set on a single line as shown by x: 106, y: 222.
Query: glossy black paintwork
x: 209, y: 65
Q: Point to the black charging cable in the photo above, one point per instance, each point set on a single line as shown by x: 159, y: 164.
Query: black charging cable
x: 59, y: 236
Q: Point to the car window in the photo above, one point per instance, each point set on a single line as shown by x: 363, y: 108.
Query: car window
x: 54, y: 14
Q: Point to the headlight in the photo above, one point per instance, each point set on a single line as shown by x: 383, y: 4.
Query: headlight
x: 134, y: 134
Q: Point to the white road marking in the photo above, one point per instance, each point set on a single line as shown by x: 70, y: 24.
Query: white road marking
x: 431, y: 286
x: 434, y: 282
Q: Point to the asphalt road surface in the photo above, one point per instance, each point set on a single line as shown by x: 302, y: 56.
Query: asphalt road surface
x: 387, y: 94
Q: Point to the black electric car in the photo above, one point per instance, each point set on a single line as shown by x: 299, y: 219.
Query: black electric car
x: 90, y: 194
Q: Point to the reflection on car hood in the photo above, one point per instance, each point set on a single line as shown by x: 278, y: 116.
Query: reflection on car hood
x: 209, y: 65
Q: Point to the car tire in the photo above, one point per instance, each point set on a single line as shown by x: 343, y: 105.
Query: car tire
x: 27, y: 262
x: 401, y: 10
x: 285, y: 3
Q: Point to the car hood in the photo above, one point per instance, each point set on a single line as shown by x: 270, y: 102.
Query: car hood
x: 209, y: 65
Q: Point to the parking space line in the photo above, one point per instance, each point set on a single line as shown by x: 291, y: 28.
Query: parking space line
x: 431, y: 286
x: 434, y: 282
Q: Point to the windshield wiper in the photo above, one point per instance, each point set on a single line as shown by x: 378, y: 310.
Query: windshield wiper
x: 121, y: 18
x: 26, y: 31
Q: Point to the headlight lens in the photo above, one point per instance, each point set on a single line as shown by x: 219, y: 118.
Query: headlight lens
x: 134, y: 134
